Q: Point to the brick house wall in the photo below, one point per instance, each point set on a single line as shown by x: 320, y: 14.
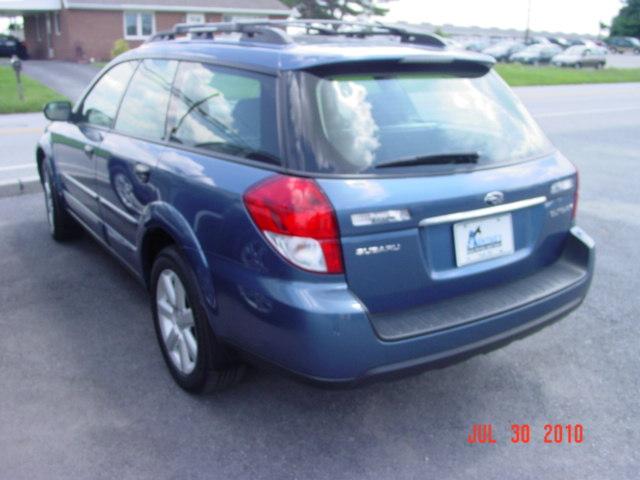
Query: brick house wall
x: 90, y: 34
x: 34, y: 47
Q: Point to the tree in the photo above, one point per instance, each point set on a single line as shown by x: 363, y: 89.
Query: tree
x: 336, y: 9
x: 627, y: 22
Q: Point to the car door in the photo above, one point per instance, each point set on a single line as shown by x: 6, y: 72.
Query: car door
x: 77, y: 144
x: 588, y: 58
x: 129, y: 153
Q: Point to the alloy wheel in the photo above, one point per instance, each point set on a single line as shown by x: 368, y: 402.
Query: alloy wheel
x: 177, y: 324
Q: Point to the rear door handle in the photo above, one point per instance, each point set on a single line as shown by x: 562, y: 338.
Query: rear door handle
x: 142, y: 171
x: 89, y: 149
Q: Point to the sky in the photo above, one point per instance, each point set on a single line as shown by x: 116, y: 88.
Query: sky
x: 567, y: 16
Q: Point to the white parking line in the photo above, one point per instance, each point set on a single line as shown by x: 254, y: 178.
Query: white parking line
x: 584, y: 112
x: 20, y: 130
x: 17, y: 167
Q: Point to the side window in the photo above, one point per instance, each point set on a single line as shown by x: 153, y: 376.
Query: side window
x: 144, y: 107
x: 100, y: 106
x: 225, y: 110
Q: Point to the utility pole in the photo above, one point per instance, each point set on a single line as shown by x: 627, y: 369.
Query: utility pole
x: 527, y: 31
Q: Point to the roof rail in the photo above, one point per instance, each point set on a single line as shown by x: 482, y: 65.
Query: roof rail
x: 274, y: 31
x: 252, y: 31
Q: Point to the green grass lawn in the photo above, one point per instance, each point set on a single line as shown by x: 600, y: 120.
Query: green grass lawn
x: 518, y: 75
x: 36, y: 95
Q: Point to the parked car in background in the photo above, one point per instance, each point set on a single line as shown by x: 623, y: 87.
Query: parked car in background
x: 561, y: 42
x: 536, y: 54
x: 343, y: 209
x: 10, y: 45
x: 580, y: 56
x: 577, y: 41
x: 477, y: 45
x: 503, y: 50
x: 536, y: 40
x: 451, y: 43
x: 623, y: 44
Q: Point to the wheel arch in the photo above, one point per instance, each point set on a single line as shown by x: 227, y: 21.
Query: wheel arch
x: 162, y: 225
x: 43, y: 151
x: 40, y: 155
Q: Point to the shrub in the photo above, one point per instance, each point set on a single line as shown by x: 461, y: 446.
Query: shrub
x: 119, y: 47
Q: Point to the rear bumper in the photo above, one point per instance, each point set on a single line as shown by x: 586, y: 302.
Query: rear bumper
x: 331, y: 339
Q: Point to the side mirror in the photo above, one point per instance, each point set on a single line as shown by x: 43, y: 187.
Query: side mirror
x: 59, y: 111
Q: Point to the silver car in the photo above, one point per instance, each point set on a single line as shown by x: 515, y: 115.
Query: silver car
x: 536, y: 54
x: 580, y: 56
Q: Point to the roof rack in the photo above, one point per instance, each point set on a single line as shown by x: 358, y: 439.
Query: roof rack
x: 274, y: 31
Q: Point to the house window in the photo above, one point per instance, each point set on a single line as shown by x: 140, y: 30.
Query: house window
x: 195, y: 18
x: 56, y: 23
x: 139, y: 25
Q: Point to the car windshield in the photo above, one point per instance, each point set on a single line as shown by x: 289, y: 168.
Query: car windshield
x: 355, y: 123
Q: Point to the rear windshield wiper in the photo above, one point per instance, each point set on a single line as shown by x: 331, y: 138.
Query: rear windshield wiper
x: 438, y: 159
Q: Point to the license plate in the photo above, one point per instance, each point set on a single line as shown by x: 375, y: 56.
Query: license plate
x: 483, y: 239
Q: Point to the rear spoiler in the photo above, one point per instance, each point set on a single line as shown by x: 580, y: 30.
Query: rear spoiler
x: 460, y: 66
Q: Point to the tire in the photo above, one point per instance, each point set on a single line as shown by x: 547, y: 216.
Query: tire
x: 61, y: 225
x: 196, y: 360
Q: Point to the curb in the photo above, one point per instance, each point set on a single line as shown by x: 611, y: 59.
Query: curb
x: 20, y: 187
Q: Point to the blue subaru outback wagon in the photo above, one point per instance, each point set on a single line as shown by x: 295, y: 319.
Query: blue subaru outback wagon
x: 341, y: 200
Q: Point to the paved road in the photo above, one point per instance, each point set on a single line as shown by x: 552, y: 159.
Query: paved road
x: 84, y: 392
x: 19, y: 134
x: 68, y: 78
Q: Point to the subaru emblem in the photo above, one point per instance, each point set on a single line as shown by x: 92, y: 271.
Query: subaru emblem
x: 494, y: 198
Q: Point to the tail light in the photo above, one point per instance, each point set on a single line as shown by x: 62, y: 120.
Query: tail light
x: 298, y: 220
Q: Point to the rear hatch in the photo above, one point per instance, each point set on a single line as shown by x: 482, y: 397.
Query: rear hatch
x: 442, y: 183
x: 399, y: 234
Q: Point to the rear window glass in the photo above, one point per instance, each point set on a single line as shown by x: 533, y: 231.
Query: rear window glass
x: 358, y: 122
x: 225, y: 111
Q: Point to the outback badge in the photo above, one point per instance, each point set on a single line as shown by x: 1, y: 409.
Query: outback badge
x: 494, y: 198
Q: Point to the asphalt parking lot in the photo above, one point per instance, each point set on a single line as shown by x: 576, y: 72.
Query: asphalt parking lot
x: 627, y: 60
x: 84, y: 392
